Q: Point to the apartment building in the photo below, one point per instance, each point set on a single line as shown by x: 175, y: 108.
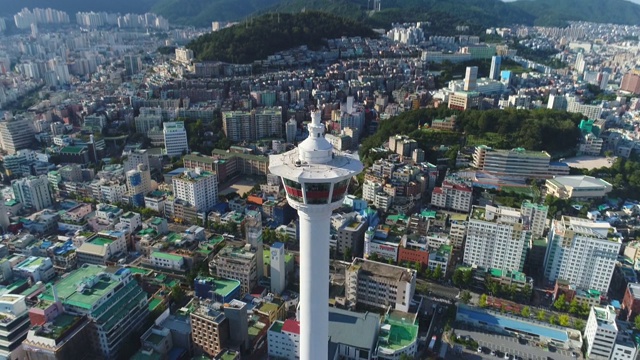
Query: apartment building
x: 581, y: 252
x: 14, y: 325
x: 33, y: 192
x: 198, y: 187
x: 537, y: 214
x: 15, y: 134
x: 257, y: 124
x: 497, y: 237
x: 451, y: 196
x: 381, y: 285
x: 209, y: 328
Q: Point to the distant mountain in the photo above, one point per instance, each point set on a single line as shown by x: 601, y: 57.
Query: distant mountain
x: 557, y: 12
x: 267, y: 34
x: 203, y: 12
x: 10, y: 7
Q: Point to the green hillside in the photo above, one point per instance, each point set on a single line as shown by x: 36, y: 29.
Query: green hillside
x: 201, y: 13
x: 267, y: 34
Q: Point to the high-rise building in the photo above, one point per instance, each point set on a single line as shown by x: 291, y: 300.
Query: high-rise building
x: 316, y: 181
x: 132, y: 64
x: 15, y: 134
x: 581, y: 252
x: 452, y: 196
x: 236, y: 312
x: 110, y: 298
x: 197, y: 187
x: 291, y: 130
x: 278, y: 271
x: 33, y: 192
x: 537, y: 214
x: 253, y: 231
x: 580, y: 63
x: 175, y: 138
x: 254, y: 125
x: 497, y: 237
x: 557, y: 102
x: 134, y: 158
x: 138, y: 184
x: 471, y: 78
x: 604, y: 80
x: 600, y: 332
x: 513, y: 163
x: 631, y: 82
x: 494, y: 73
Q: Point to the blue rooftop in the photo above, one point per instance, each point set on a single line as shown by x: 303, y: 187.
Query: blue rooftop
x: 277, y: 245
x: 557, y: 163
x: 509, y: 323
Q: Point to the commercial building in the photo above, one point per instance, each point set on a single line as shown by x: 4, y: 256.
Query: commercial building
x: 198, y: 188
x: 351, y: 336
x: 577, y: 187
x: 464, y: 100
x: 33, y: 192
x: 36, y: 269
x: 237, y: 262
x: 60, y: 338
x: 581, y: 252
x: 162, y: 260
x: 512, y: 163
x: 209, y: 327
x: 631, y: 301
x: 497, y: 237
x: 350, y: 234
x: 138, y: 184
x: 15, y: 134
x: 377, y: 284
x: 110, y: 298
x: 451, y: 196
x: 175, y: 138
x: 100, y: 248
x: 216, y: 289
x: 600, y: 332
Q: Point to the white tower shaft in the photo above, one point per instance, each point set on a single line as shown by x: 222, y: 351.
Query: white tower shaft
x: 314, y: 284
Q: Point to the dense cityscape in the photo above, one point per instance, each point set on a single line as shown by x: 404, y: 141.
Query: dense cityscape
x: 415, y: 194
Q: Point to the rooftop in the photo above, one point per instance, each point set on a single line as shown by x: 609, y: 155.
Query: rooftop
x: 374, y: 268
x: 167, y: 256
x: 58, y: 327
x: 353, y: 329
x: 101, y: 241
x: 579, y: 181
x: 73, y: 149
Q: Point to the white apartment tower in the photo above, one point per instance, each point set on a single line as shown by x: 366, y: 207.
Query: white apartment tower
x: 175, y: 138
x: 497, y: 237
x: 278, y: 270
x: 471, y: 78
x: 134, y: 158
x: 316, y: 181
x: 600, y: 332
x: 33, y: 192
x: 197, y: 187
x: 581, y: 252
x: 291, y: 129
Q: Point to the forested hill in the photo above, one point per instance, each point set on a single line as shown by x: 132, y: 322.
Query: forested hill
x: 260, y: 37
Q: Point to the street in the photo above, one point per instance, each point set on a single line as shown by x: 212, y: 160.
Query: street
x: 511, y: 345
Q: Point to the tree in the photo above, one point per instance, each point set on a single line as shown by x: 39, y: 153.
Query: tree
x: 578, y: 325
x: 574, y: 307
x: 541, y: 315
x: 428, y: 273
x: 584, y: 310
x: 636, y: 322
x: 492, y: 286
x: 525, y: 312
x: 527, y: 291
x: 465, y: 297
x: 561, y: 303
x: 177, y: 294
x: 437, y: 273
x: 467, y: 277
x: 347, y: 254
x: 405, y: 357
x: 483, y: 301
x: 457, y: 277
x: 563, y: 320
x: 553, y: 320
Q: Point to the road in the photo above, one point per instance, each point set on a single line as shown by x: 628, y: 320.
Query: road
x: 507, y: 344
x: 437, y: 290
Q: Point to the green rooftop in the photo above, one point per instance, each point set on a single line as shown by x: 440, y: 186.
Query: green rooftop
x: 154, y: 303
x: 167, y: 256
x: 72, y: 149
x: 58, y: 327
x: 137, y: 270
x: 101, y: 241
x: 69, y: 286
x: 400, y: 335
x: 227, y: 155
x: 277, y: 326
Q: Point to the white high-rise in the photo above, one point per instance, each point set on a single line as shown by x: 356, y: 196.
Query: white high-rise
x: 316, y: 180
x: 175, y: 138
x: 471, y: 78
x: 581, y: 252
x: 494, y: 73
x: 33, y: 192
x: 278, y: 270
x: 580, y: 63
x: 197, y: 187
x: 291, y: 130
x: 600, y: 332
x: 537, y: 214
x: 15, y: 133
x: 497, y: 238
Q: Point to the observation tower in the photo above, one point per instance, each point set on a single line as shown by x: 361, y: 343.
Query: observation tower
x: 316, y: 178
